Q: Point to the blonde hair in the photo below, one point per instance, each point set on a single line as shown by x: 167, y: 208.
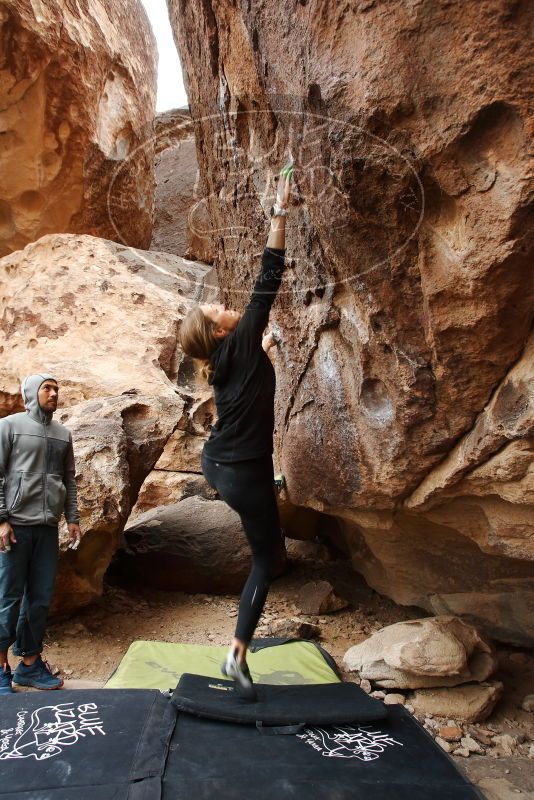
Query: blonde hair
x: 197, y: 338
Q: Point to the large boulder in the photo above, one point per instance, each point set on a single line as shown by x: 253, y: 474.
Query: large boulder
x: 117, y: 440
x: 474, y: 512
x: 196, y: 545
x: 104, y: 320
x: 102, y: 317
x: 408, y: 296
x: 418, y: 562
x: 77, y: 100
x: 485, y: 486
x: 436, y: 651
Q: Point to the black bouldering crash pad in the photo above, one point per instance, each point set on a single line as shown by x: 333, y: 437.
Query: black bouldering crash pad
x: 392, y: 758
x: 276, y: 705
x: 206, y: 743
x: 80, y: 745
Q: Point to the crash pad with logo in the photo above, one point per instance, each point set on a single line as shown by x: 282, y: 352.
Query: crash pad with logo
x: 325, y: 739
x: 90, y: 744
x: 392, y: 758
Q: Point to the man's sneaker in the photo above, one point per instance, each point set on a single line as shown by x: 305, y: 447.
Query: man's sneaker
x: 6, y: 678
x: 239, y: 671
x: 39, y: 675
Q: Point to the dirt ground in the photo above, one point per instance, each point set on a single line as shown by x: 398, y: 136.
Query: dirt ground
x: 90, y: 645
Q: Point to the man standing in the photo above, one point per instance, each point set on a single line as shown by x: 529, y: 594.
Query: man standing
x: 36, y: 485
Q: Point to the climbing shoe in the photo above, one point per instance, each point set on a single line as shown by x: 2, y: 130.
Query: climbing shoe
x: 6, y: 679
x: 39, y: 675
x: 279, y: 481
x: 239, y: 671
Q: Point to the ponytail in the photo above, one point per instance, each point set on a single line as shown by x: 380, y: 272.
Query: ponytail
x: 198, y: 340
x: 206, y: 370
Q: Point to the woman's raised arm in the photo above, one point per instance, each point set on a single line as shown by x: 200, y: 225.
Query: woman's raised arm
x: 248, y: 333
x: 277, y: 234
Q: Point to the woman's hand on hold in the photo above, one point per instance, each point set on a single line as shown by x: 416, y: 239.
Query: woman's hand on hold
x: 283, y: 191
x: 268, y: 341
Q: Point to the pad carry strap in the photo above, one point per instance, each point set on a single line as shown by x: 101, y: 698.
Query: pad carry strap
x: 279, y: 730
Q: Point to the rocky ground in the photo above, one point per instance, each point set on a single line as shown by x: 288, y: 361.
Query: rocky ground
x: 496, y: 751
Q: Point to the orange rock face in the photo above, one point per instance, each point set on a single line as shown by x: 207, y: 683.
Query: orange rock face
x: 77, y: 100
x: 402, y: 407
x: 103, y: 319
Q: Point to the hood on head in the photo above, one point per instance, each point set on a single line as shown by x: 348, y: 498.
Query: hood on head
x: 30, y: 387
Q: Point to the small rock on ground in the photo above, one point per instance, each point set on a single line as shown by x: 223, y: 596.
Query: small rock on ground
x: 393, y: 699
x: 294, y: 628
x: 451, y: 733
x: 318, y: 597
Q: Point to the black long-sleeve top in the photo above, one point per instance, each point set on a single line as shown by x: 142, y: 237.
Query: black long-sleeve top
x: 243, y: 376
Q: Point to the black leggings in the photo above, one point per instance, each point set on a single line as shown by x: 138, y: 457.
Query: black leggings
x: 248, y: 488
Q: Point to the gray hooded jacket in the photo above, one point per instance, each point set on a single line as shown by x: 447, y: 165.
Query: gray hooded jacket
x: 36, y: 464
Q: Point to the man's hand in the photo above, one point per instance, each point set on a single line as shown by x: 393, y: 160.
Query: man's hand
x: 7, y: 537
x: 75, y: 534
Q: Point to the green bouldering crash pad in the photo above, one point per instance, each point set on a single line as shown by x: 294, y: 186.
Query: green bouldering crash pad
x: 160, y: 665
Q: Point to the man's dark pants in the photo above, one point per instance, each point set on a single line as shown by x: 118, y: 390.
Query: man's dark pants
x: 27, y: 575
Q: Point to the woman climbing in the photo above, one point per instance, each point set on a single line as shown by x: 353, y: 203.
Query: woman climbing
x: 237, y: 458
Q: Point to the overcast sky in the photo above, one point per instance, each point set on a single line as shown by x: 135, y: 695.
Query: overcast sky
x: 171, y: 92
